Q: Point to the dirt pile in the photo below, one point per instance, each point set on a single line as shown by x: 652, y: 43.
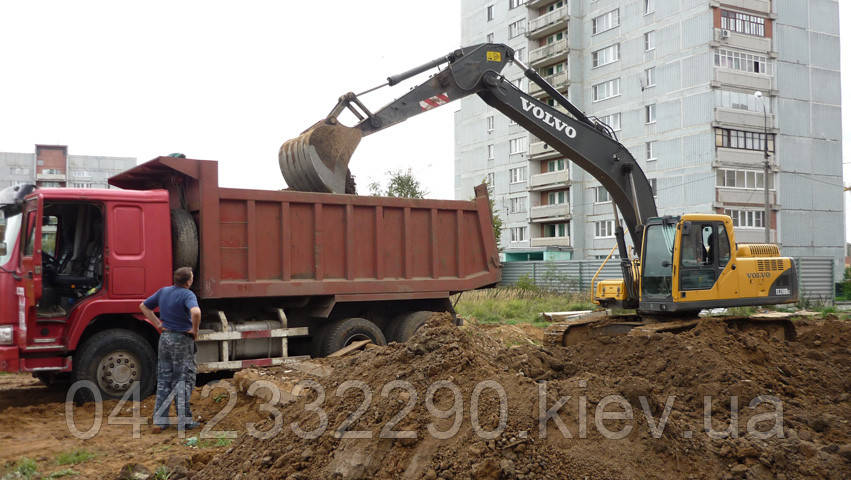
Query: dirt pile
x: 625, y: 407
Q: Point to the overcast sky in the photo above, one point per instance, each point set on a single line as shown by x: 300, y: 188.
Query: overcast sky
x: 230, y: 81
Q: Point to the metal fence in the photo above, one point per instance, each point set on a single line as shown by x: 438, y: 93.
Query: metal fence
x: 815, y: 275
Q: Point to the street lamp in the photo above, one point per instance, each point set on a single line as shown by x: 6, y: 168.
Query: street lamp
x: 767, y: 219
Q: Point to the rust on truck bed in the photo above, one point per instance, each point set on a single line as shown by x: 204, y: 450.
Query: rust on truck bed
x: 262, y: 243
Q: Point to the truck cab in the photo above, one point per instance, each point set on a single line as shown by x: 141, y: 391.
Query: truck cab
x: 71, y: 260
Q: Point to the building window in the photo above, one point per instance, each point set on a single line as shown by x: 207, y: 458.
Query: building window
x: 613, y: 120
x: 743, y: 23
x: 518, y: 83
x: 653, y: 186
x: 50, y: 184
x: 490, y: 178
x: 20, y: 171
x: 520, y: 53
x: 556, y: 165
x: 517, y: 28
x: 604, y: 229
x: 552, y: 230
x: 489, y: 122
x: 748, y: 179
x: 729, y: 138
x: 517, y: 205
x: 746, y: 218
x: 490, y: 152
x: 650, y: 150
x: 601, y: 195
x: 650, y: 77
x: 518, y: 234
x: 650, y: 40
x: 606, y: 21
x: 650, y: 113
x: 745, y: 62
x: 554, y: 69
x: 489, y: 38
x: 605, y: 56
x: 649, y: 6
x: 490, y: 12
x: 517, y: 175
x: 608, y: 89
x: 517, y: 145
x: 741, y: 101
x: 557, y: 198
x: 555, y: 37
x: 512, y: 4
x: 81, y: 185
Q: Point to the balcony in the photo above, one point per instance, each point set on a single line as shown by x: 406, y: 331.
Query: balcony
x: 541, y: 151
x: 551, y: 242
x: 733, y: 117
x: 740, y: 40
x: 558, y: 81
x: 539, y: 3
x: 546, y: 181
x: 550, y: 213
x: 51, y: 176
x: 753, y: 81
x: 548, y: 54
x: 548, y: 23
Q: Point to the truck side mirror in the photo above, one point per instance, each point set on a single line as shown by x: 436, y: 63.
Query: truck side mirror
x: 2, y: 223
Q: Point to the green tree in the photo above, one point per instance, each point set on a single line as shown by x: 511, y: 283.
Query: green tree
x: 401, y: 184
x: 497, y: 220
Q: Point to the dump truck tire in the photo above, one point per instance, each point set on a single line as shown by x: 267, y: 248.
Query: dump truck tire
x: 184, y: 239
x: 113, y: 360
x: 406, y: 325
x: 343, y: 332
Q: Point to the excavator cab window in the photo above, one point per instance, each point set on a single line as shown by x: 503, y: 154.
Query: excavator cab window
x: 700, y: 255
x: 657, y: 270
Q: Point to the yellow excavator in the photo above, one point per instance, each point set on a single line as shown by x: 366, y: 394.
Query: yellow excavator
x: 684, y: 264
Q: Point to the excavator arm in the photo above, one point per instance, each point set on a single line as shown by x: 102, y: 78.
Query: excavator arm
x: 323, y: 151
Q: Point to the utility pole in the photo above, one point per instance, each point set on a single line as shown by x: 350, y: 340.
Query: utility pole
x: 767, y: 166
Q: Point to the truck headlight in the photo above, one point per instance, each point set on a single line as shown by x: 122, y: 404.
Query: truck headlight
x: 6, y: 335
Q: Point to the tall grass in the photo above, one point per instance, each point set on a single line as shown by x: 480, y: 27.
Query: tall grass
x: 510, y: 306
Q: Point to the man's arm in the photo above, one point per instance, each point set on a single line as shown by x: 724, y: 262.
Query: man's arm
x: 196, y: 320
x: 149, y: 314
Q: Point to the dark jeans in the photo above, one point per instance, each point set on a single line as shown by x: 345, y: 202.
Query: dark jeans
x: 175, y: 377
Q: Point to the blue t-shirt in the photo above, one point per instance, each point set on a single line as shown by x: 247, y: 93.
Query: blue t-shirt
x: 174, y: 303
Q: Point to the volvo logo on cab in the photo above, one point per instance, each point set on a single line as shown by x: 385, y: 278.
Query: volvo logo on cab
x: 548, y: 118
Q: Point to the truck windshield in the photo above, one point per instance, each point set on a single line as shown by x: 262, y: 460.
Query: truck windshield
x: 13, y: 227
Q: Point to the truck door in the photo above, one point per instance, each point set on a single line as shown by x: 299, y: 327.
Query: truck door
x: 30, y: 267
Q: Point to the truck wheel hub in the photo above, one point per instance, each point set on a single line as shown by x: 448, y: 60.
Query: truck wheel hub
x: 117, y: 371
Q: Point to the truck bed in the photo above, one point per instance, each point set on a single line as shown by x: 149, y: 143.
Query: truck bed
x: 261, y: 243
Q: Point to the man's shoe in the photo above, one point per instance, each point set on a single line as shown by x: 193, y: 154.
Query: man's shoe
x: 158, y: 428
x: 190, y: 425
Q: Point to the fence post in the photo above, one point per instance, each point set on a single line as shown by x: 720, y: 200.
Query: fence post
x: 534, y: 274
x: 581, y: 280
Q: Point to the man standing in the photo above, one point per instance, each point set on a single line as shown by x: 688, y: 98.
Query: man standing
x: 179, y: 319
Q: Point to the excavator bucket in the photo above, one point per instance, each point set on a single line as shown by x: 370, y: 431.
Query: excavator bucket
x: 318, y: 159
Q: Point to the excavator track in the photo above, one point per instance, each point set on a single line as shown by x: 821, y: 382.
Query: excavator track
x: 602, y: 323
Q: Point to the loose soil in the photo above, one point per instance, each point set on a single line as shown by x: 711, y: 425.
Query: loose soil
x: 810, y: 377
x: 33, y: 425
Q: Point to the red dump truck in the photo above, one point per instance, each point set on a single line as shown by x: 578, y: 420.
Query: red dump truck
x: 279, y: 274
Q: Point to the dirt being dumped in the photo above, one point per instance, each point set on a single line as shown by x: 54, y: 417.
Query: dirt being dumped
x: 463, y: 404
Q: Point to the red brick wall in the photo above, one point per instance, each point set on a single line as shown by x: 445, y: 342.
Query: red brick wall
x: 54, y: 157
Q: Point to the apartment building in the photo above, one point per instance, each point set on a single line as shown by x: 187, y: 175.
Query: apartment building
x: 52, y: 166
x: 698, y: 91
